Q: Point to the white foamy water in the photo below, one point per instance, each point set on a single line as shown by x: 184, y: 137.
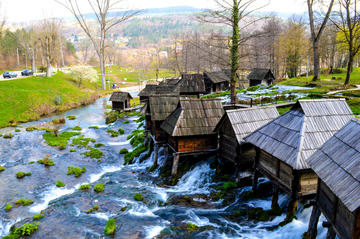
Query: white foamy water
x: 140, y: 210
x: 153, y: 231
x: 118, y: 143
x: 6, y: 224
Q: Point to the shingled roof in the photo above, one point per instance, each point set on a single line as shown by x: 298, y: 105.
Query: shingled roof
x: 246, y: 121
x: 119, y: 96
x: 148, y: 90
x: 260, y: 74
x: 337, y: 164
x: 218, y: 76
x: 171, y: 81
x: 296, y: 135
x: 194, y: 117
x: 161, y: 106
x: 191, y: 83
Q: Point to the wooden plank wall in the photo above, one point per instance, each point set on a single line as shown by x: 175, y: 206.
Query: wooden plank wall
x: 308, y: 182
x: 344, y: 221
x: 357, y: 229
x: 189, y: 144
x: 228, y: 146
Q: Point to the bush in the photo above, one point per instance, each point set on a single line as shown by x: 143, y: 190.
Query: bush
x: 138, y: 197
x: 95, y: 208
x: 93, y: 153
x: 82, y: 73
x: 76, y: 171
x: 37, y: 217
x: 85, y: 187
x: 121, y: 131
x: 60, y: 184
x: 99, y: 188
x: 20, y: 175
x: 110, y: 227
x: 124, y: 151
x: 8, y: 207
x: 24, y: 202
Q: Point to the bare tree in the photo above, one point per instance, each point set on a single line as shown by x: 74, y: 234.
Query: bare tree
x: 347, y: 20
x: 316, y: 33
x: 102, y: 10
x: 237, y: 15
x: 2, y: 20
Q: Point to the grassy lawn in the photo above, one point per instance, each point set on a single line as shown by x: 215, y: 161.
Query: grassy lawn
x: 119, y: 74
x: 30, y: 98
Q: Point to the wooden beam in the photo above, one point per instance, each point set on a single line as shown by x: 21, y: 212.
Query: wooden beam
x: 174, y: 170
x: 313, y: 223
x: 275, y: 197
x: 331, y: 233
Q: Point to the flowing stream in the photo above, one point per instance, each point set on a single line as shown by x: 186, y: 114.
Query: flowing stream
x: 65, y: 208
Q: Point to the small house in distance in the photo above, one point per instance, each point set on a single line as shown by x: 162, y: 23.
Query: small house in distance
x: 284, y: 145
x: 190, y: 128
x: 120, y: 100
x: 234, y: 126
x: 337, y: 164
x: 216, y: 81
x: 260, y: 76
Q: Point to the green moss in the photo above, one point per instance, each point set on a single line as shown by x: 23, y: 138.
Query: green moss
x: 58, y: 121
x: 123, y: 209
x: 229, y: 185
x: 111, y: 117
x: 124, y: 151
x: 31, y: 128
x: 110, y: 227
x: 71, y: 117
x: 253, y: 88
x: 2, y: 168
x: 77, y: 128
x: 17, y: 130
x: 93, y: 153
x: 72, y: 150
x: 23, y: 231
x: 129, y: 157
x: 8, y: 207
x: 81, y: 141
x: 31, y: 162
x: 93, y: 127
x: 138, y: 197
x: 8, y: 136
x: 85, y: 187
x: 59, y: 140
x: 121, y: 131
x: 37, y: 217
x: 113, y: 133
x: 24, y: 202
x: 191, y: 227
x: 126, y: 122
x: 99, y: 188
x: 98, y: 145
x: 283, y: 110
x: 152, y: 168
x: 94, y: 208
x: 141, y: 119
x: 76, y: 171
x: 60, y: 184
x: 20, y: 175
x: 46, y: 162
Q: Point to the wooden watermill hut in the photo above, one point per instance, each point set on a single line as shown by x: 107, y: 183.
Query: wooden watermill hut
x: 260, y: 76
x: 191, y: 85
x: 149, y: 90
x: 337, y: 164
x: 190, y: 128
x: 284, y: 145
x: 216, y: 81
x: 120, y: 100
x: 234, y: 126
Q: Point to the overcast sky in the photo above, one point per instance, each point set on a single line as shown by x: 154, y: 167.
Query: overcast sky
x: 26, y: 10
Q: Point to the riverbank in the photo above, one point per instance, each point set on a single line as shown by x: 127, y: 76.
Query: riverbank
x: 31, y: 98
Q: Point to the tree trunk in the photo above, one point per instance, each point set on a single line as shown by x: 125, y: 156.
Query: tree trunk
x: 48, y: 69
x: 33, y: 66
x: 349, y: 68
x: 316, y: 60
x: 102, y: 70
x: 234, y: 51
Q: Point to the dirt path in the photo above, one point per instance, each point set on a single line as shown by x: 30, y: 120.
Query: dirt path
x: 339, y: 91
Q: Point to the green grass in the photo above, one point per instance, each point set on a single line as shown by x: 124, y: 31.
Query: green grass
x: 27, y: 99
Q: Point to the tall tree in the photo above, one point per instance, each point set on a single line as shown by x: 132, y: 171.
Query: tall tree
x: 347, y: 20
x: 234, y: 13
x: 317, y: 32
x: 105, y: 22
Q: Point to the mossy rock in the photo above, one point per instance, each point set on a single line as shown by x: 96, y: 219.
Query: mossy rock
x: 84, y: 187
x: 31, y: 128
x: 8, y: 136
x: 24, y: 202
x: 93, y: 127
x: 99, y: 188
x: 59, y: 121
x: 17, y: 130
x: 25, y: 230
x: 138, y: 197
x: 93, y: 153
x: 94, y: 208
x: 99, y: 145
x: 110, y: 227
x: 2, y: 168
x: 59, y: 140
x: 21, y: 175
x: 46, y: 162
x: 60, y: 184
x: 126, y: 122
x: 113, y: 133
x: 111, y: 117
x: 121, y: 131
x: 77, y: 128
x: 71, y: 117
x: 124, y: 151
x: 8, y: 207
x: 37, y: 217
x: 77, y: 172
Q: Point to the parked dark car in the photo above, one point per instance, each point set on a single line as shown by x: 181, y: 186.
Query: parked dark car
x: 9, y: 74
x: 27, y: 73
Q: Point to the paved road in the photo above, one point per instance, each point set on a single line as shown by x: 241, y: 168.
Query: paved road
x: 339, y: 91
x: 19, y: 76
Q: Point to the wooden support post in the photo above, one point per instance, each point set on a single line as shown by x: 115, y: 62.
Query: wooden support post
x: 314, y: 220
x: 331, y: 233
x: 275, y: 198
x: 156, y: 154
x: 238, y: 173
x: 174, y: 170
x: 292, y: 208
x: 166, y: 151
x: 146, y: 137
x: 255, y: 180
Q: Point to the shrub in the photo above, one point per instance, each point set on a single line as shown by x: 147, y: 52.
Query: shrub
x: 2, y: 168
x: 8, y: 136
x: 8, y: 207
x: 98, y: 145
x: 124, y: 151
x: 76, y: 171
x: 37, y: 217
x: 60, y: 184
x: 110, y: 227
x: 20, y: 175
x: 138, y: 197
x: 59, y: 121
x: 93, y: 153
x: 23, y: 231
x: 95, y: 208
x: 82, y: 73
x: 24, y: 202
x: 94, y: 127
x: 71, y: 117
x: 99, y: 188
x: 121, y: 131
x: 85, y: 187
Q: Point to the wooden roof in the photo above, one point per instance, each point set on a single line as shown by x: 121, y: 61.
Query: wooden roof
x: 296, y: 135
x: 218, y: 76
x: 120, y: 96
x: 191, y: 83
x: 171, y: 81
x: 194, y: 117
x: 246, y: 121
x: 161, y: 106
x: 337, y: 163
x: 149, y: 89
x: 260, y: 74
